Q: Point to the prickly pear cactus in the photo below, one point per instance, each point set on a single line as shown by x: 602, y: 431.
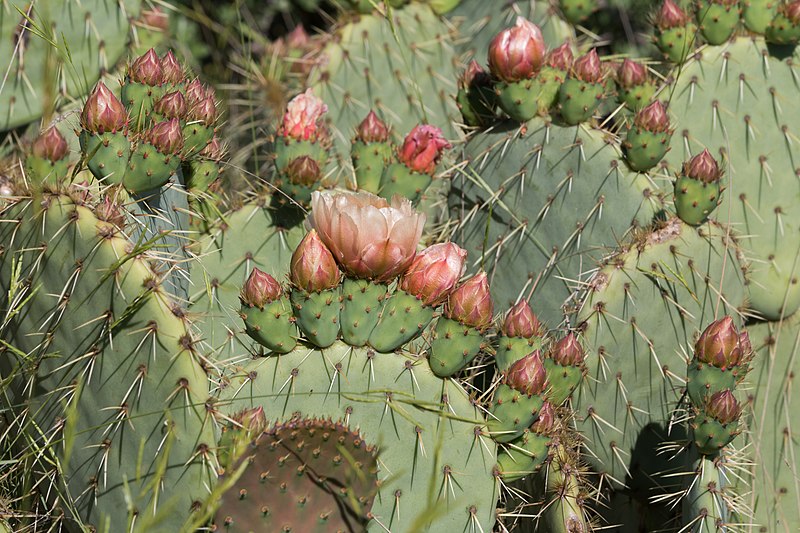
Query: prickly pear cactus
x: 54, y: 51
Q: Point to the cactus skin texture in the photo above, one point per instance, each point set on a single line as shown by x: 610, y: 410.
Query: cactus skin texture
x: 91, y: 37
x: 752, y: 131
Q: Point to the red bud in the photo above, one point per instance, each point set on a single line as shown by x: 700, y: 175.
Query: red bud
x: 313, y: 268
x: 471, y: 303
x: 434, y: 273
x: 521, y: 322
x: 631, y: 74
x: 166, y: 136
x: 546, y: 419
x: 172, y: 71
x: 703, y: 167
x: 260, y: 289
x: 172, y: 105
x: 146, y: 69
x: 561, y: 57
x: 372, y: 130
x: 723, y: 407
x: 719, y: 344
x: 422, y: 149
x: 517, y: 53
x: 568, y: 351
x: 587, y: 67
x: 671, y: 16
x: 103, y: 111
x: 653, y: 118
x: 528, y: 375
x: 50, y: 145
x: 303, y: 171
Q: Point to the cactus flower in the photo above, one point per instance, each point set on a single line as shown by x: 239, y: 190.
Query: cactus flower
x: 369, y: 237
x: 517, y: 53
x: 50, y: 145
x: 587, y: 67
x: 671, y: 16
x: 703, y: 167
x: 631, y: 74
x: 521, y: 322
x: 171, y: 69
x: 260, y: 289
x: 313, y: 267
x: 303, y: 170
x: 422, y: 148
x: 561, y: 57
x: 147, y: 69
x: 434, y: 273
x: 303, y: 117
x: 171, y: 105
x: 103, y: 111
x: 723, y: 407
x: 372, y: 130
x: 546, y: 419
x: 719, y: 344
x: 568, y: 351
x: 166, y: 136
x: 528, y: 375
x: 471, y: 303
x: 653, y: 118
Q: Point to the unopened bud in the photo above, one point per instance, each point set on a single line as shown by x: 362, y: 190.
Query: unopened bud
x: 671, y: 16
x: 171, y: 69
x: 521, y: 322
x: 561, y: 57
x: 372, y: 130
x: 313, y: 267
x: 653, y: 118
x: 50, y: 145
x: 166, y: 136
x: 587, y: 67
x: 703, y: 167
x: 719, y: 344
x: 517, y: 53
x: 434, y: 273
x: 568, y: 351
x: 172, y: 105
x: 146, y: 69
x: 471, y: 303
x: 422, y: 149
x: 631, y: 74
x: 723, y: 407
x: 528, y: 375
x: 103, y: 111
x: 303, y: 170
x: 260, y: 289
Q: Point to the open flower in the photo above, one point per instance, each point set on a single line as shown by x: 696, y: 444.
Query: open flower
x: 303, y: 117
x: 434, y: 273
x: 368, y: 236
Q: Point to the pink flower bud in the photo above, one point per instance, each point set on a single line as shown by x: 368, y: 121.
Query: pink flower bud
x: 471, y: 303
x: 303, y: 171
x: 303, y: 117
x: 109, y: 211
x: 521, y: 322
x: 253, y: 421
x: 528, y: 375
x: 653, y: 118
x: 671, y: 16
x: 546, y: 419
x: 213, y: 150
x: 631, y: 74
x: 561, y: 57
x: 297, y: 38
x: 313, y: 268
x: 172, y: 105
x: 703, y: 167
x: 723, y: 407
x: 587, y: 67
x: 372, y: 130
x: 195, y: 92
x: 50, y: 145
x: 434, y: 273
x: 792, y: 11
x: 422, y: 148
x: 517, y: 53
x: 103, y: 111
x: 568, y: 351
x: 146, y: 69
x: 719, y: 344
x: 369, y: 237
x: 172, y: 71
x: 474, y: 76
x: 260, y: 289
x: 204, y: 111
x: 166, y: 136
x: 744, y: 345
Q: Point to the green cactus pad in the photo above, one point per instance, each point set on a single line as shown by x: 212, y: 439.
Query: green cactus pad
x: 435, y: 468
x: 522, y: 456
x: 526, y: 99
x: 643, y: 149
x: 139, y: 100
x: 512, y: 413
x: 639, y: 318
x: 563, y: 380
x: 782, y: 31
x: 758, y: 14
x: 543, y: 205
x: 107, y: 155
x: 65, y: 48
x: 676, y: 43
x: 695, y: 199
x: 108, y: 364
x: 196, y: 136
x: 717, y: 21
x: 637, y: 97
x: 399, y: 179
x: 578, y: 100
x: 317, y: 315
x: 512, y: 349
x: 453, y: 347
x: 477, y: 105
x: 369, y: 162
x: 709, y: 435
x: 706, y: 380
x: 403, y: 318
x: 42, y: 170
x: 288, y: 149
x: 149, y: 169
x: 273, y: 326
x: 362, y: 301
x: 748, y: 122
x: 201, y: 173
x: 577, y: 11
x: 306, y: 475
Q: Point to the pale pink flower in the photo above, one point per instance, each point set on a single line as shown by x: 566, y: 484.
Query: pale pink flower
x: 303, y: 117
x: 368, y: 236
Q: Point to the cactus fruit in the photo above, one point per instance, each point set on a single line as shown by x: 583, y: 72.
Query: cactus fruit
x: 647, y: 140
x: 371, y: 151
x: 636, y: 89
x: 675, y: 32
x: 581, y: 92
x: 785, y: 25
x: 718, y: 19
x: 48, y: 158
